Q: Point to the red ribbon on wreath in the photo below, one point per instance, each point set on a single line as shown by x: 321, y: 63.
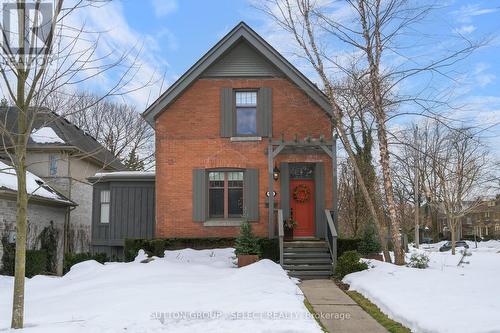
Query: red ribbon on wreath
x: 301, y: 193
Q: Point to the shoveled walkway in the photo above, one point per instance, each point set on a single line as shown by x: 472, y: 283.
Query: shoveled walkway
x: 337, y: 311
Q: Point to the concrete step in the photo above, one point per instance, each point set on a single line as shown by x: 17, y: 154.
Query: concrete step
x: 310, y: 274
x: 305, y: 249
x: 306, y: 261
x: 308, y: 267
x: 306, y: 255
x: 304, y: 244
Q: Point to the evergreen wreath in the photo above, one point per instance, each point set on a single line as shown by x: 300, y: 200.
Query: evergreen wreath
x: 301, y: 193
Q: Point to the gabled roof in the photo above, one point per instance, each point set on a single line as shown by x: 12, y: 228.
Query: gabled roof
x: 71, y: 135
x: 241, y: 32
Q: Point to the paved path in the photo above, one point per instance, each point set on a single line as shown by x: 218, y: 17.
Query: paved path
x: 338, y: 312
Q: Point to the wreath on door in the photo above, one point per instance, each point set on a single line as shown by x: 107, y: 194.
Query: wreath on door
x: 301, y: 193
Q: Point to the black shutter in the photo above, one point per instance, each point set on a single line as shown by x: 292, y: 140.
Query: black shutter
x: 285, y: 189
x: 265, y: 112
x: 200, y: 194
x: 319, y: 180
x: 226, y: 112
x: 251, y: 194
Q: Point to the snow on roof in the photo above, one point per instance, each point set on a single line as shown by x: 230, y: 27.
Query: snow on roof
x: 34, y: 185
x: 124, y: 175
x: 45, y: 135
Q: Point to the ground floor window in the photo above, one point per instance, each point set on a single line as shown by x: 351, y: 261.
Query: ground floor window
x: 225, y: 194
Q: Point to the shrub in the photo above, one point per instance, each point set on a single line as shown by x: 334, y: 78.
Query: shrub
x: 419, y: 260
x: 48, y: 242
x: 369, y: 242
x: 347, y: 244
x: 246, y: 242
x: 348, y: 263
x: 157, y: 247
x: 36, y: 260
x: 269, y: 248
x: 71, y: 259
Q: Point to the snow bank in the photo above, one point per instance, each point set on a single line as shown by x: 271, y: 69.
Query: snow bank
x: 45, y: 135
x: 187, y: 291
x: 34, y: 184
x: 442, y: 298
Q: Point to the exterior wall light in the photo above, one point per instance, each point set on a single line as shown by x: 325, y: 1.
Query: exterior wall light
x: 276, y: 173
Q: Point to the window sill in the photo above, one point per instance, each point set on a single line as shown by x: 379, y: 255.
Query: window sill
x: 245, y: 138
x: 223, y: 223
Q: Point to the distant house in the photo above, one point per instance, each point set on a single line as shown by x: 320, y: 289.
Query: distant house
x: 64, y: 156
x: 46, y: 206
x: 483, y: 220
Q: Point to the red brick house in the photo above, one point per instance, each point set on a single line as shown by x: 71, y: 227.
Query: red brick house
x: 241, y: 116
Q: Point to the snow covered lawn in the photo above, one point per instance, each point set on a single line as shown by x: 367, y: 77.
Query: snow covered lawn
x: 442, y: 298
x: 187, y: 291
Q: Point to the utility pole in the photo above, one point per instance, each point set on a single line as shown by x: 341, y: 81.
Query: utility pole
x: 416, y: 190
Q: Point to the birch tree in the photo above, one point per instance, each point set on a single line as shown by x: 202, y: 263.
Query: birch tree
x: 370, y: 36
x: 41, y: 54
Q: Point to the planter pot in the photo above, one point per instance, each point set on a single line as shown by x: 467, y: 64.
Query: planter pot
x: 375, y: 256
x: 247, y: 259
x: 288, y: 234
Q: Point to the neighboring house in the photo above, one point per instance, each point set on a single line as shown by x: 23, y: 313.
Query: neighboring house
x: 64, y: 156
x: 241, y: 116
x: 483, y: 220
x: 46, y: 207
x: 123, y: 207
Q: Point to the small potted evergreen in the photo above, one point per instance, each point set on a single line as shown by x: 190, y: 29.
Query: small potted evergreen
x: 288, y: 226
x: 247, y: 247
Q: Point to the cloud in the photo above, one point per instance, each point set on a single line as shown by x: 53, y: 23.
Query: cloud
x: 164, y: 7
x: 465, y: 29
x: 466, y: 13
x: 142, y: 64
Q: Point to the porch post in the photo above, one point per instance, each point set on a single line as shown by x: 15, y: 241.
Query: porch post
x: 334, y: 182
x: 271, y: 197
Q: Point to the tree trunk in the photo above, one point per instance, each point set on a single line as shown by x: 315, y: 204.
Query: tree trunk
x: 20, y: 259
x: 453, y: 236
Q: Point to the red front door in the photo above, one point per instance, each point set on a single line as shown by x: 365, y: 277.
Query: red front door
x: 302, y: 206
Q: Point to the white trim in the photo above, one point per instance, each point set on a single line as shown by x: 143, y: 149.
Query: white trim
x: 245, y: 138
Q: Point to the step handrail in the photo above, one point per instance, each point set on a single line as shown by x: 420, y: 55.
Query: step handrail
x: 331, y: 236
x: 281, y: 233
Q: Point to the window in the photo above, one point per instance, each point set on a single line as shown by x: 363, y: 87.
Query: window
x: 246, y: 113
x: 486, y: 214
x: 225, y: 194
x: 53, y: 165
x: 105, y: 196
x: 497, y: 227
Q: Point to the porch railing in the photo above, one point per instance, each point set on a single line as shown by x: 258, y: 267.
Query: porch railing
x: 331, y: 236
x: 281, y: 233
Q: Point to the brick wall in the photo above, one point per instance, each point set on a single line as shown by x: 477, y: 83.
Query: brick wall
x: 187, y: 137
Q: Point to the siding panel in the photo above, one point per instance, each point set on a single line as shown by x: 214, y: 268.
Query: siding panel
x: 226, y: 112
x: 319, y: 176
x: 242, y: 61
x: 285, y: 189
x: 251, y: 194
x: 265, y: 112
x: 199, y: 195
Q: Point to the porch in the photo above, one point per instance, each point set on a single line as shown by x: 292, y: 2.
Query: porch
x: 312, y: 251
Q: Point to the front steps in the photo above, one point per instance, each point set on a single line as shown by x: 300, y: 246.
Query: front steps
x: 309, y: 259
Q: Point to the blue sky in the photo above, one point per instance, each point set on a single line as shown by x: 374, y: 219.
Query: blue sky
x: 174, y: 34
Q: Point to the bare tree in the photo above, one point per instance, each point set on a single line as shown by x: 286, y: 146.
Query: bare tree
x: 41, y: 54
x: 117, y: 126
x: 460, y: 170
x: 370, y: 36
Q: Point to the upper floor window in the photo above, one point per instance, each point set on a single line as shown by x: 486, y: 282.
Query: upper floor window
x: 52, y: 165
x: 246, y: 113
x: 105, y: 200
x: 225, y: 194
